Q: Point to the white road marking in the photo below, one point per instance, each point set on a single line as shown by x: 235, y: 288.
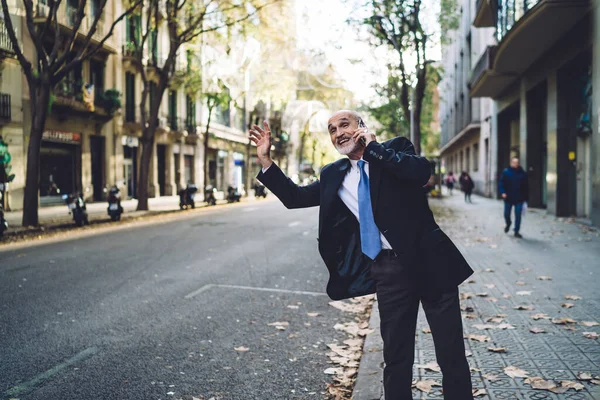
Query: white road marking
x: 211, y: 285
x: 293, y: 224
x: 29, y: 385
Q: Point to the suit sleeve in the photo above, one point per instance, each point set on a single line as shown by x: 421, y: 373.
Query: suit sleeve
x: 403, y: 162
x: 290, y: 194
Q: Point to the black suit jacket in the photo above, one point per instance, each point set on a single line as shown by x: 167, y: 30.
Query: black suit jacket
x: 401, y: 212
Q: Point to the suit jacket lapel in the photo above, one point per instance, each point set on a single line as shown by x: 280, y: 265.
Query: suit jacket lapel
x: 331, y: 184
x: 374, y: 181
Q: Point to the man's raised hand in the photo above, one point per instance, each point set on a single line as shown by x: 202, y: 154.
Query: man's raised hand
x: 261, y: 137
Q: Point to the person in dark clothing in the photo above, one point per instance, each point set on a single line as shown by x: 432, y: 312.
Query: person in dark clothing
x: 450, y: 181
x: 466, y: 185
x: 514, y: 188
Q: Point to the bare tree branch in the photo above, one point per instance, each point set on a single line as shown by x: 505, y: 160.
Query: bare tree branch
x: 25, y: 64
x: 35, y: 38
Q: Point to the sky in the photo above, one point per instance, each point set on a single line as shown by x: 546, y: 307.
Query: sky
x: 321, y: 24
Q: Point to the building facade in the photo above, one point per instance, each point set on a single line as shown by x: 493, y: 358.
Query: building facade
x: 537, y: 72
x: 88, y: 148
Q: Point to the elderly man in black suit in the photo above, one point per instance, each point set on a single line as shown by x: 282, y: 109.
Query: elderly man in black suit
x: 378, y: 235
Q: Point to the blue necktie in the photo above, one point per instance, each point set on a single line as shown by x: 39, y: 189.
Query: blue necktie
x: 369, y: 233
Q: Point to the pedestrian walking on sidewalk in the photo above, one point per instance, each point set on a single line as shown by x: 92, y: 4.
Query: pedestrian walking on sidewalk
x: 466, y: 185
x: 450, y: 180
x: 377, y: 234
x: 514, y: 189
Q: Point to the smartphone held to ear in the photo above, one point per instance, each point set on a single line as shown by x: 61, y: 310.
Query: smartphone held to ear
x: 361, y: 124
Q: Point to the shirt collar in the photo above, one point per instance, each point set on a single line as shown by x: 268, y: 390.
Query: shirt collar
x: 354, y: 164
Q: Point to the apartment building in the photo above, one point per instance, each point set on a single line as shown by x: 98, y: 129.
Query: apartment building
x: 538, y: 70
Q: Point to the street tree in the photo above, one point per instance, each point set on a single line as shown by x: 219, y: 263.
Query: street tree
x: 402, y: 26
x: 186, y: 22
x: 56, y: 53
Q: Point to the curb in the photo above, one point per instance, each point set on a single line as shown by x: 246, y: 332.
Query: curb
x: 369, y: 380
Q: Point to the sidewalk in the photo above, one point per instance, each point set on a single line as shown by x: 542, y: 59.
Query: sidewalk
x: 509, y: 273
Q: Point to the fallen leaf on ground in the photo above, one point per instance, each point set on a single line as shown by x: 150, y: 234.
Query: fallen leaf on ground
x: 540, y: 316
x: 283, y: 323
x: 523, y: 307
x: 241, y: 348
x: 596, y: 381
x: 589, y: 323
x: 483, y: 327
x: 522, y: 271
x: 492, y: 299
x: 347, y: 307
x: 572, y: 297
x: 524, y: 293
x: 590, y: 335
x: 468, y: 353
x: 567, y: 305
x: 505, y: 326
x: 467, y: 308
x: 426, y: 385
x: 497, y: 349
x: 539, y: 383
x: 354, y: 342
x: 466, y: 295
x: 566, y: 385
x: 536, y: 330
x: 584, y: 376
x: 521, y: 283
x: 491, y: 377
x: 488, y: 270
x: 293, y: 307
x: 515, y: 372
x: 470, y: 316
x: 313, y: 314
x: 479, y: 338
x: 430, y: 366
x: 473, y: 369
x: 563, y: 321
x: 489, y: 285
x: 506, y: 296
x: 479, y: 392
x: 427, y: 330
x: 496, y: 320
x: 484, y: 294
x: 334, y: 371
x: 544, y: 278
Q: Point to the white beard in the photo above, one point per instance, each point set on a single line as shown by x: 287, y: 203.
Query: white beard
x: 349, y: 147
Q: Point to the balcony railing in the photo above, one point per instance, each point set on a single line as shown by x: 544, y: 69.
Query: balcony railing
x: 5, y: 108
x: 190, y: 124
x: 130, y: 51
x: 175, y: 123
x: 509, y: 12
x: 485, y: 62
x: 69, y: 88
x: 5, y: 43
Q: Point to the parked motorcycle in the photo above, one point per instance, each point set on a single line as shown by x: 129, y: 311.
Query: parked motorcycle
x: 186, y: 197
x: 233, y: 195
x: 209, y: 195
x: 3, y: 223
x: 114, y: 204
x: 77, y: 208
x: 260, y: 191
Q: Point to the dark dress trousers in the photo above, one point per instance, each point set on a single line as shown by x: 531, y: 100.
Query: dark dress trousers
x: 424, y: 266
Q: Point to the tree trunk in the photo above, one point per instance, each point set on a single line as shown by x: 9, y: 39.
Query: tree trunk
x: 206, y: 137
x: 418, y: 104
x: 39, y: 111
x: 144, y: 178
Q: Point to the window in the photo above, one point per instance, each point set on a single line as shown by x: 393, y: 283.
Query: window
x: 476, y: 157
x: 97, y: 79
x: 129, y: 97
x: 190, y: 114
x: 133, y: 31
x: 173, y: 110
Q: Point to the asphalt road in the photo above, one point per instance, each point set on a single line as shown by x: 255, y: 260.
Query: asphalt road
x: 155, y: 311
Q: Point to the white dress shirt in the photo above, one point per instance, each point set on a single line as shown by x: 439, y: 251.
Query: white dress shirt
x: 348, y: 192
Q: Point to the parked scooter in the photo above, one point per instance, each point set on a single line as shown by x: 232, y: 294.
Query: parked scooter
x: 186, y: 197
x: 209, y: 195
x: 3, y: 223
x: 233, y: 195
x: 114, y: 204
x: 260, y: 191
x: 77, y: 208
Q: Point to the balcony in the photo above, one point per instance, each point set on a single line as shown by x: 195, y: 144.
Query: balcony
x: 526, y: 30
x: 66, y: 17
x: 69, y: 99
x: 485, y: 14
x: 6, y: 46
x: 5, y: 108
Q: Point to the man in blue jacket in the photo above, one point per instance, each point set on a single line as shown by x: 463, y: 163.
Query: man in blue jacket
x: 514, y: 188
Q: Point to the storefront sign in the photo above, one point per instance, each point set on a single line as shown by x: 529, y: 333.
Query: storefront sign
x: 130, y: 141
x: 62, y: 137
